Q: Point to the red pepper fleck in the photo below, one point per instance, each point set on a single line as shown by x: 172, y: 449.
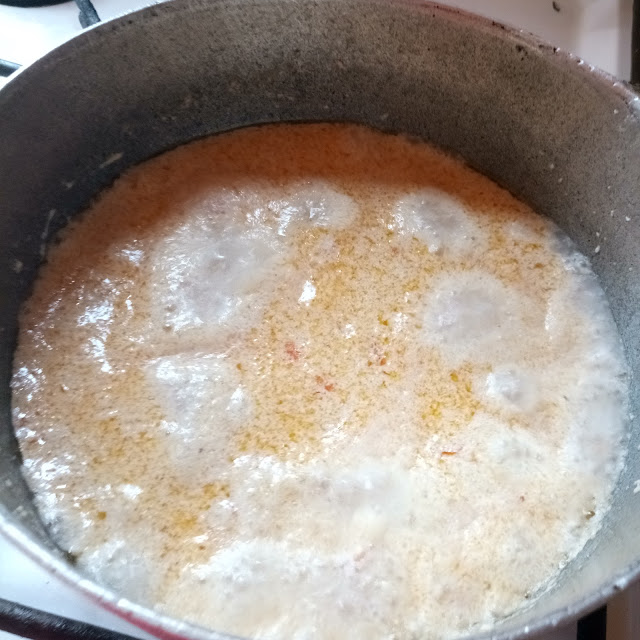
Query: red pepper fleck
x: 291, y: 350
x: 449, y: 453
x: 328, y: 386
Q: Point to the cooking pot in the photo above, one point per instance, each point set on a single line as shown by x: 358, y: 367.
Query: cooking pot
x: 559, y: 134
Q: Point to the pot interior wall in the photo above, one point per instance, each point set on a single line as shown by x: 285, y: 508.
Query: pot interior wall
x: 544, y: 126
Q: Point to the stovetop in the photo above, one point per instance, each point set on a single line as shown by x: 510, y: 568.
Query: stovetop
x: 597, y: 30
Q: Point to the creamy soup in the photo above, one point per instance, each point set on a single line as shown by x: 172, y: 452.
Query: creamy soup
x: 315, y: 381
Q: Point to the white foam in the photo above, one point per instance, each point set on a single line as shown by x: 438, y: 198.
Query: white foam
x: 308, y: 292
x: 204, y: 404
x: 208, y: 270
x: 117, y: 564
x: 314, y: 203
x: 439, y: 220
x: 214, y: 268
x: 513, y: 387
x: 472, y: 315
x: 237, y: 584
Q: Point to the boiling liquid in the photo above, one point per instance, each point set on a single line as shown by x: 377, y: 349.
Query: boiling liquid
x: 313, y: 381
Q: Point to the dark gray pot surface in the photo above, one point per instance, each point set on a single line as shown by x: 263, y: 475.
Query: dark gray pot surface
x: 557, y: 133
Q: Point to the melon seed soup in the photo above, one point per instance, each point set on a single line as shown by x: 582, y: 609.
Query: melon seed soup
x: 318, y: 381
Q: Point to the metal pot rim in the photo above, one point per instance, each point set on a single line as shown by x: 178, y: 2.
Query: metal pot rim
x: 169, y: 627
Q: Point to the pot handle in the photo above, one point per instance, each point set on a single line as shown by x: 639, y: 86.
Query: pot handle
x: 87, y: 15
x: 7, y: 68
x: 31, y: 623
